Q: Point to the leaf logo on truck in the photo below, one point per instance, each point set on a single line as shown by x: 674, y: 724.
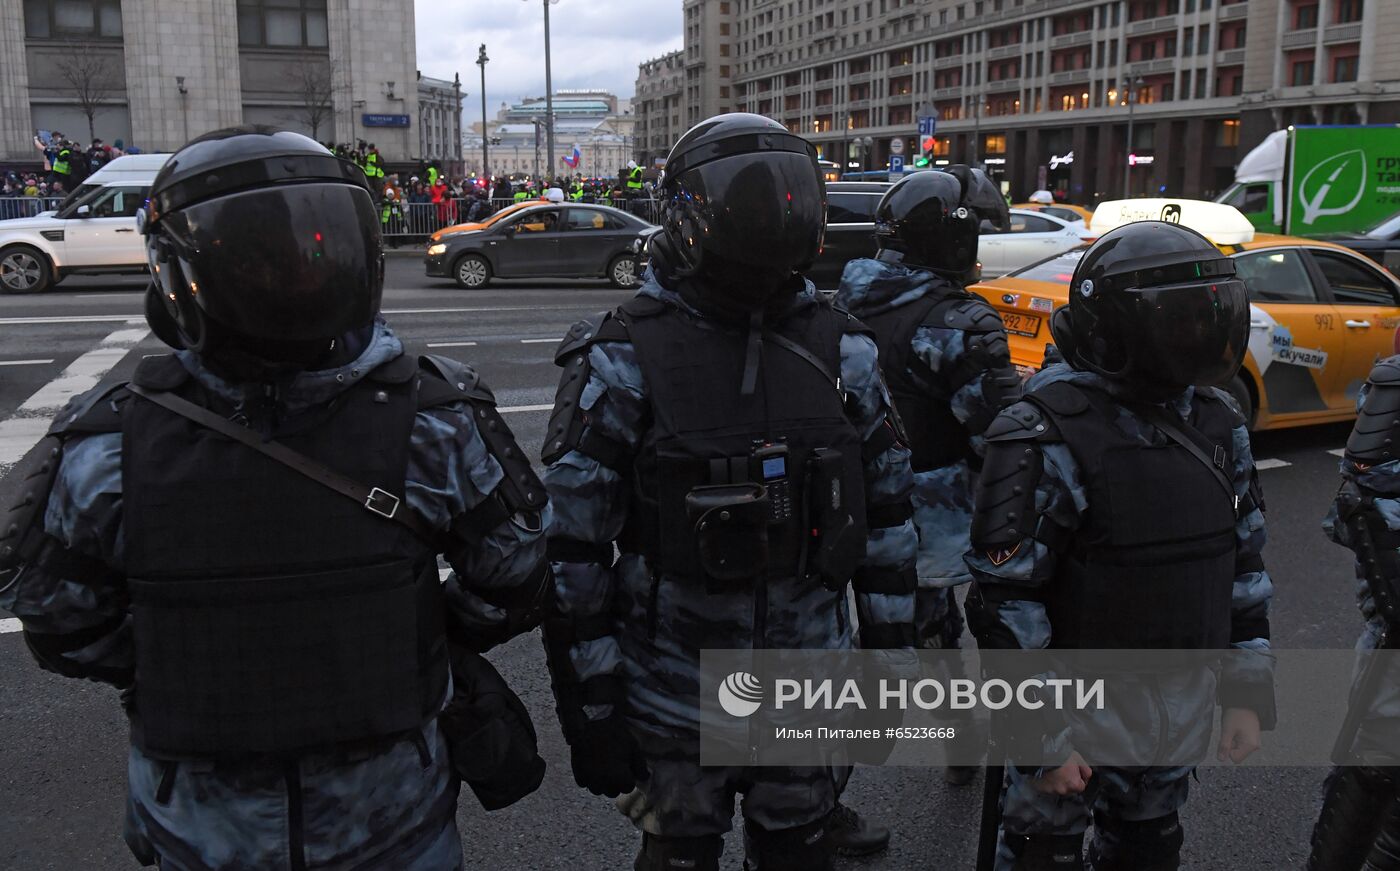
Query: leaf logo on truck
x: 1334, y: 186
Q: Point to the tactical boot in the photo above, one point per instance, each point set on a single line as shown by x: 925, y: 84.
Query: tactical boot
x: 853, y: 835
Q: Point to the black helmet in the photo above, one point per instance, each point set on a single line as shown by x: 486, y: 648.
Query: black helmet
x: 743, y: 206
x: 262, y: 237
x: 922, y: 217
x: 983, y: 197
x: 1155, y: 304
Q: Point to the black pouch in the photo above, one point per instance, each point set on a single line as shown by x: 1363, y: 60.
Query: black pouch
x: 731, y: 530
x: 840, y: 541
x: 491, y: 740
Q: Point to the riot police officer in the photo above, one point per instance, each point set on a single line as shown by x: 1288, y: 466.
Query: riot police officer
x: 945, y: 358
x: 189, y: 536
x: 1358, y: 827
x: 1119, y: 507
x: 692, y: 425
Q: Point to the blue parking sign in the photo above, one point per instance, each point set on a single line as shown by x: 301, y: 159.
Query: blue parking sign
x: 896, y: 164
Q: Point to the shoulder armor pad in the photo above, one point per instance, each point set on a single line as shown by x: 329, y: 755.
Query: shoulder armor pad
x: 1386, y: 372
x: 1377, y: 426
x: 970, y: 315
x: 97, y: 411
x: 1005, y: 502
x: 1022, y: 421
x: 855, y: 326
x: 643, y: 307
x: 449, y: 381
x: 1060, y: 398
x: 520, y: 490
x: 22, y: 520
x: 1221, y: 396
x: 602, y: 327
x: 397, y: 371
x: 163, y: 372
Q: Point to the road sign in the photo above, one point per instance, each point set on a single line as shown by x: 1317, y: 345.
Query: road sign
x: 927, y: 126
x: 896, y: 166
x: 896, y: 146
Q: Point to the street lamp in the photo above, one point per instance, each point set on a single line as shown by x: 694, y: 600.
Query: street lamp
x: 1132, y: 88
x: 481, y: 61
x: 548, y: 90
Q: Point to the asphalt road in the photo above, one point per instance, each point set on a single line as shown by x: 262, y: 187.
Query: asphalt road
x: 62, y: 742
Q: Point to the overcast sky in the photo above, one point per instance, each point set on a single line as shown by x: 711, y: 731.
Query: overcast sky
x: 595, y: 44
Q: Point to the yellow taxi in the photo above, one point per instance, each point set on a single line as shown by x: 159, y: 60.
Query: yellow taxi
x: 1063, y: 211
x: 482, y: 225
x: 1320, y: 314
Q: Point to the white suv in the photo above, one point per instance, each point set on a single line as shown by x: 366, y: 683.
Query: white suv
x: 92, y: 232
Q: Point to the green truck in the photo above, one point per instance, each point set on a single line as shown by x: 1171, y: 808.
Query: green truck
x: 1309, y: 181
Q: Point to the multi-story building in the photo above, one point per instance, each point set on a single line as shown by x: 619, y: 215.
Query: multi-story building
x: 440, y: 122
x: 1045, y: 91
x: 659, y: 106
x: 594, y: 121
x: 156, y: 73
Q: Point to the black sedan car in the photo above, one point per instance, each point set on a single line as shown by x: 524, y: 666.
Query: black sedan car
x: 1381, y: 243
x: 850, y: 229
x: 569, y: 240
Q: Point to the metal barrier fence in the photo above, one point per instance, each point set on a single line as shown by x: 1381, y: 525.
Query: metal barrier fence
x: 26, y: 207
x: 402, y: 223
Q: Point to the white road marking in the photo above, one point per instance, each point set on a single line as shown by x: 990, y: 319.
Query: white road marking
x: 110, y: 319
x: 70, y: 319
x: 19, y: 433
x: 538, y: 341
x: 511, y: 409
x: 10, y: 624
x: 1338, y: 452
x: 452, y: 344
x: 1261, y: 465
x: 25, y: 362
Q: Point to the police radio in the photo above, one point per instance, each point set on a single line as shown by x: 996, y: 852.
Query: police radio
x: 770, y: 467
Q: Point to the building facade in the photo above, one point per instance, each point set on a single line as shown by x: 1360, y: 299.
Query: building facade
x: 594, y: 121
x: 156, y: 73
x: 1045, y: 91
x: 659, y: 106
x: 440, y: 123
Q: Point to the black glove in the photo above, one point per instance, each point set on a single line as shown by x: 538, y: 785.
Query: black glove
x: 606, y: 759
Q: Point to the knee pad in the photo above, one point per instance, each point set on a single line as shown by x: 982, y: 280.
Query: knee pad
x: 1136, y: 845
x: 1046, y: 852
x: 679, y: 854
x: 801, y: 848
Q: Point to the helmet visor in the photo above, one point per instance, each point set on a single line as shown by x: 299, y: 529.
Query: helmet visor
x: 766, y: 210
x: 294, y: 262
x: 1188, y: 334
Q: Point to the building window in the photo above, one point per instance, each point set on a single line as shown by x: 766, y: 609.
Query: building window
x: 995, y: 143
x: 1301, y: 73
x: 73, y: 19
x: 282, y: 23
x: 1229, y: 135
x: 1344, y: 69
x: 1348, y: 11
x: 1305, y: 17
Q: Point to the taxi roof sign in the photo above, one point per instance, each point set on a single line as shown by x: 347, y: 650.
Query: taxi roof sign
x: 1221, y: 224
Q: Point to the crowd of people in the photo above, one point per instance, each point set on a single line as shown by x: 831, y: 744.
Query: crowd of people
x: 27, y: 192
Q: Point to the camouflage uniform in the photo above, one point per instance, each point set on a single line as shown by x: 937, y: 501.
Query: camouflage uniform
x: 1006, y: 610
x: 390, y: 806
x: 942, y: 495
x: 658, y: 624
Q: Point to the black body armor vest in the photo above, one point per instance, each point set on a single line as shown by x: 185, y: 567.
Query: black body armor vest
x: 936, y: 437
x: 746, y: 487
x: 271, y: 614
x: 1152, y: 565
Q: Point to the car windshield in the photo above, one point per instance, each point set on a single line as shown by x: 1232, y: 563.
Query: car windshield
x: 81, y: 197
x: 1385, y: 229
x: 1058, y: 269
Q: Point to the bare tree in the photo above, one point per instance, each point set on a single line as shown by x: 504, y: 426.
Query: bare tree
x: 314, y: 84
x: 89, y: 79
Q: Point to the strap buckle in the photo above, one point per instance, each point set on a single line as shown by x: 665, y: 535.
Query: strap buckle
x: 383, y: 503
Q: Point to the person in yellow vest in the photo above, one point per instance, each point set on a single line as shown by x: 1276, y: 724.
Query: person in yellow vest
x: 634, y: 179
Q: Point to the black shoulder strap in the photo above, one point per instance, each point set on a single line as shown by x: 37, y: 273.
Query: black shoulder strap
x: 375, y: 500
x: 1213, y: 457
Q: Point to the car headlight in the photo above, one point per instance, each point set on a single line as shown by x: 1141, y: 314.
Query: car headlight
x: 435, y: 250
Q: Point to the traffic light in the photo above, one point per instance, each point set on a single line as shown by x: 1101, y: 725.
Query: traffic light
x: 925, y: 152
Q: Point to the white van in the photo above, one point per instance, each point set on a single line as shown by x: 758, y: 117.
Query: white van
x: 92, y: 232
